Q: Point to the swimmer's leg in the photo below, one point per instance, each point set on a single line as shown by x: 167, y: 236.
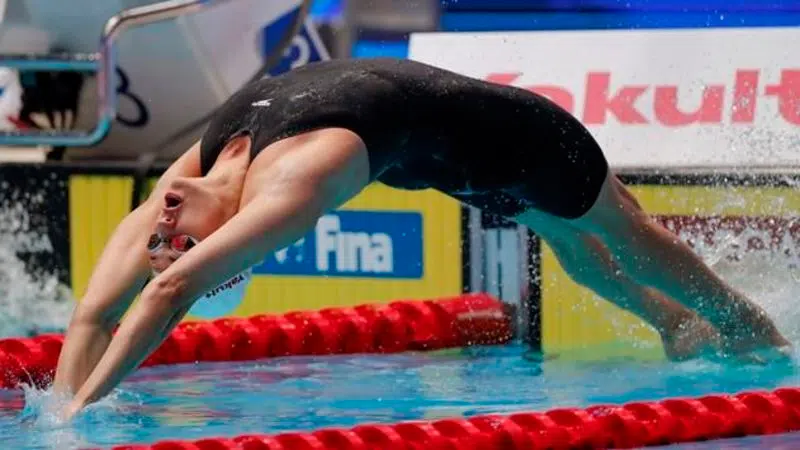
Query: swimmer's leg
x: 653, y: 256
x: 589, y: 263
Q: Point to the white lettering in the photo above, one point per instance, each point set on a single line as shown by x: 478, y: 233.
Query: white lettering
x: 263, y: 103
x: 327, y: 229
x: 356, y: 249
x: 343, y: 263
x: 352, y: 251
x: 382, y: 256
x: 282, y: 255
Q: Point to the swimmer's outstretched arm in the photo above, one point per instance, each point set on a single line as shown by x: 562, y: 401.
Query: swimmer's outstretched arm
x: 299, y: 187
x: 118, y: 276
x: 113, y: 285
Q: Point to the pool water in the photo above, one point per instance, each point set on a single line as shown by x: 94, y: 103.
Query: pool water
x: 776, y: 442
x: 298, y: 393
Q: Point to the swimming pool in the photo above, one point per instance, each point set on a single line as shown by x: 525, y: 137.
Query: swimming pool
x: 305, y: 393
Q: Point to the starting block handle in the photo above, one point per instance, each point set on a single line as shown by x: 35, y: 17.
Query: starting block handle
x: 103, y: 63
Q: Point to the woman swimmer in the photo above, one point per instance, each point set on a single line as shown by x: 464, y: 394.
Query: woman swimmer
x: 284, y: 150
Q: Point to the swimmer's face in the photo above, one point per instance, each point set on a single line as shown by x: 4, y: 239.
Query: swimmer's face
x: 189, y: 208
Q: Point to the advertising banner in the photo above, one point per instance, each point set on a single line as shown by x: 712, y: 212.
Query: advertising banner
x: 383, y: 245
x: 652, y: 98
x: 367, y: 244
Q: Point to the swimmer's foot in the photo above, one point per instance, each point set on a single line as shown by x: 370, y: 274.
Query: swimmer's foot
x: 748, y: 332
x: 690, y: 339
x: 767, y: 347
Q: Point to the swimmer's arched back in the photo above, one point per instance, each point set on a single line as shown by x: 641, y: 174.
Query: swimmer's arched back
x: 284, y: 151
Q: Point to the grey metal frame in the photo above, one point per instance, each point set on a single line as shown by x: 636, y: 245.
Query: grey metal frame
x: 103, y: 63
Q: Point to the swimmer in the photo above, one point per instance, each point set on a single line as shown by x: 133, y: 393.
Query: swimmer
x: 283, y: 151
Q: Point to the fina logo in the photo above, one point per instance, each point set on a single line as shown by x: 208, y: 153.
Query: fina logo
x: 361, y: 244
x: 352, y: 251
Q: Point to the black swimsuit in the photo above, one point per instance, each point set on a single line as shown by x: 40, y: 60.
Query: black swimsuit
x: 499, y: 148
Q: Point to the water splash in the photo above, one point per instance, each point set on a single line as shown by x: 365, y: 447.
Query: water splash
x: 32, y: 303
x: 43, y: 427
x: 757, y: 255
x: 762, y: 262
x: 42, y: 407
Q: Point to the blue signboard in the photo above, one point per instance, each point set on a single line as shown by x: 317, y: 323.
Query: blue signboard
x: 359, y: 244
x: 306, y: 47
x: 621, y: 5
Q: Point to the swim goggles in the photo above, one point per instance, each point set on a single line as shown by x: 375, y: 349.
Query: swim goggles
x: 181, y: 243
x: 217, y: 302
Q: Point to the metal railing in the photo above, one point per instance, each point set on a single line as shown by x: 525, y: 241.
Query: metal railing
x: 104, y: 64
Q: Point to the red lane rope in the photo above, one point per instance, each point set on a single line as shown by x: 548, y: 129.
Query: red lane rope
x: 631, y: 425
x: 404, y: 325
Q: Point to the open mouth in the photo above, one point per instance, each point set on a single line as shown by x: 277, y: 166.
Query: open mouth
x: 172, y: 201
